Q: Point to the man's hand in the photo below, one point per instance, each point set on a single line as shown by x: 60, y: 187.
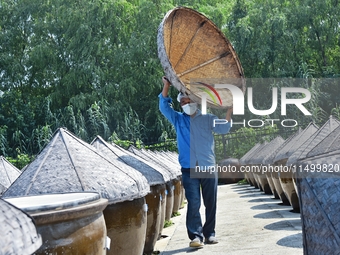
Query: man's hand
x: 166, y: 82
x: 166, y: 86
x: 229, y: 113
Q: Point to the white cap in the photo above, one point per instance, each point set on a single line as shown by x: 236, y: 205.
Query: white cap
x: 180, y: 96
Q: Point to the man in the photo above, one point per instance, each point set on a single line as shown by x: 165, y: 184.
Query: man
x: 195, y: 142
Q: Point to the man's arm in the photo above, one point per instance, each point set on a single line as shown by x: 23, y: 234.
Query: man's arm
x: 229, y: 112
x: 164, y: 102
x: 222, y: 127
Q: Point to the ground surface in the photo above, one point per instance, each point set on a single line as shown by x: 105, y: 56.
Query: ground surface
x: 248, y: 222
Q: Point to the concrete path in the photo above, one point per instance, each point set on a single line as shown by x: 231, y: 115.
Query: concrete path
x: 248, y: 222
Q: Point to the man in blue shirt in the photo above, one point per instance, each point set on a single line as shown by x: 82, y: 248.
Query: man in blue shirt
x: 195, y: 142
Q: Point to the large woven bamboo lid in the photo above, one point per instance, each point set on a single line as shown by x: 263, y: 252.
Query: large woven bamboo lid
x: 196, y: 56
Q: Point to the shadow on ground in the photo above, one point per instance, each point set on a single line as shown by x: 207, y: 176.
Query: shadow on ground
x: 274, y: 214
x: 294, y: 241
x: 186, y: 250
x: 270, y: 206
x: 263, y: 199
x: 253, y: 194
x: 283, y: 225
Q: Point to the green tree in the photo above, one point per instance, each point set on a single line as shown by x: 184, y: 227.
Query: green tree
x: 92, y: 66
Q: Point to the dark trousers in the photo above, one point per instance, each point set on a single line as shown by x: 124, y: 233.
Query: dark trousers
x: 194, y: 187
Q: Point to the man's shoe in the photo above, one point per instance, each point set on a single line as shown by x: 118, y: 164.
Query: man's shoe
x: 196, y: 243
x: 211, y: 240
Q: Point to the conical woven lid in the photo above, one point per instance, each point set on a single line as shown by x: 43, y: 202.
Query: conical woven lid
x: 329, y: 145
x: 196, y: 56
x: 68, y: 164
x: 269, y: 158
x: 163, y: 160
x: 18, y: 232
x: 267, y: 150
x: 230, y: 161
x: 113, y: 151
x: 316, y: 138
x: 173, y: 156
x: 290, y: 146
x: 251, y: 156
x: 248, y: 153
x: 154, y: 161
x: 8, y: 174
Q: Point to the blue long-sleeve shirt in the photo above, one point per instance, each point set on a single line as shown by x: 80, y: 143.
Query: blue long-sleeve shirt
x: 195, y: 139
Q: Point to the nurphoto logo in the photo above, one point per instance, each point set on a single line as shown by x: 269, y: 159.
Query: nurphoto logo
x: 239, y: 106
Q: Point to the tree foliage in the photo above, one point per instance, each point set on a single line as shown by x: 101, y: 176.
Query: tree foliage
x: 92, y: 66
